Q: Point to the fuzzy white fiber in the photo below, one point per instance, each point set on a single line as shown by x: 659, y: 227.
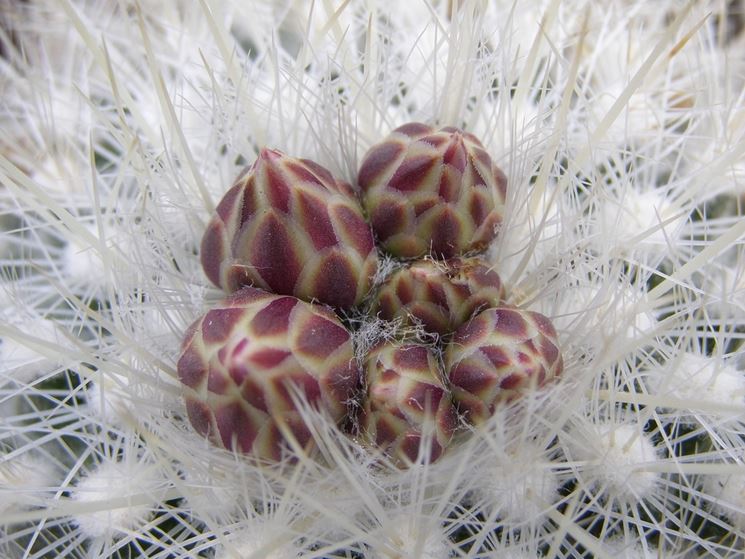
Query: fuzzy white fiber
x: 621, y: 128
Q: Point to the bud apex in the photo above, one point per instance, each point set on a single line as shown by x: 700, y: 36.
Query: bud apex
x: 439, y: 295
x: 405, y: 401
x: 432, y: 191
x: 243, y: 363
x: 289, y: 227
x: 502, y: 353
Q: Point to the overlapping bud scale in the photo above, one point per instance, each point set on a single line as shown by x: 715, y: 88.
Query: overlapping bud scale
x: 432, y: 191
x: 406, y: 402
x: 290, y: 230
x: 244, y: 363
x: 497, y: 356
x: 288, y: 226
x: 439, y: 295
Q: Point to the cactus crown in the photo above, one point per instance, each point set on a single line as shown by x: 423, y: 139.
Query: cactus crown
x: 436, y: 344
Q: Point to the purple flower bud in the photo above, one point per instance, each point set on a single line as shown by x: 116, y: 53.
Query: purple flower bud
x: 244, y: 362
x: 500, y: 354
x: 432, y: 191
x: 291, y: 228
x: 439, y: 295
x: 406, y: 400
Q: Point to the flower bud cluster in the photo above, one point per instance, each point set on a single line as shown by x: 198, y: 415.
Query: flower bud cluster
x: 295, y: 249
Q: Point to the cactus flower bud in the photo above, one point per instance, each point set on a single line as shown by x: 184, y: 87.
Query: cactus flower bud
x: 289, y: 227
x: 498, y: 355
x: 432, y: 191
x: 243, y: 363
x: 405, y: 401
x: 439, y: 295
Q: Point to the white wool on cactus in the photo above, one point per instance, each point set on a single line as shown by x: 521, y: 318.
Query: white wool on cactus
x: 31, y: 349
x: 270, y: 541
x: 411, y: 536
x: 616, y: 459
x: 25, y: 481
x: 116, y: 498
x: 718, y: 386
x: 727, y: 497
x: 523, y: 485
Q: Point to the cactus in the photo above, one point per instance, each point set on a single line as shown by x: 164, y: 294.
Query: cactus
x: 432, y: 191
x: 406, y: 400
x: 238, y: 363
x: 501, y: 353
x: 291, y: 228
x: 439, y: 295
